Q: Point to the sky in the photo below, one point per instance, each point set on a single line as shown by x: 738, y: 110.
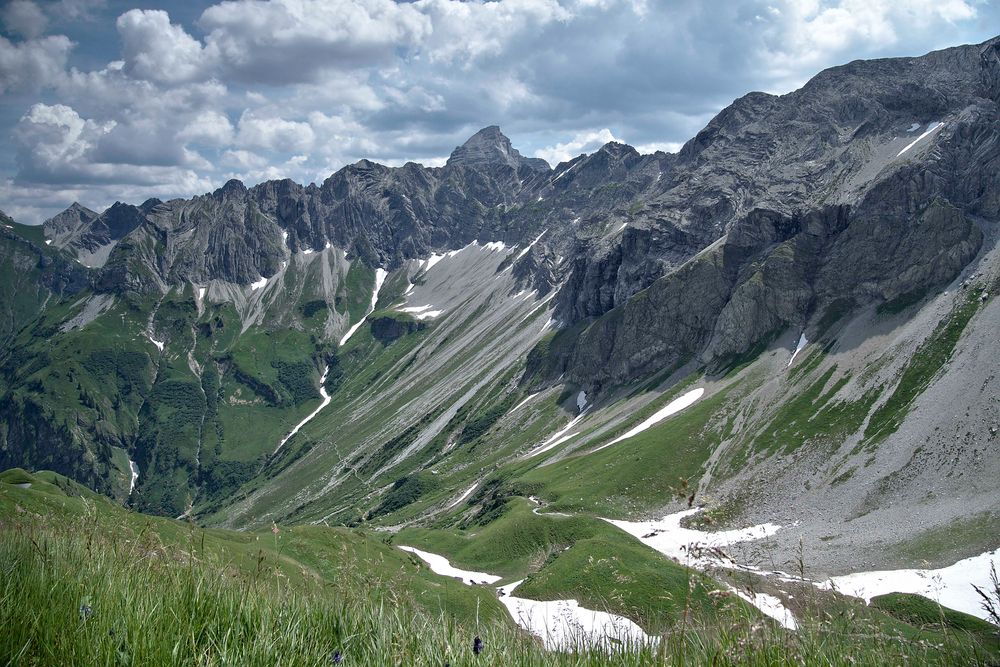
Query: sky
x: 104, y: 101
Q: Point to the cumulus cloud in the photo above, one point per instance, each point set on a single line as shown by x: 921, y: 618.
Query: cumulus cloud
x: 294, y: 40
x: 584, y: 142
x: 32, y: 64
x: 57, y: 148
x: 157, y: 50
x: 208, y: 127
x: 274, y: 133
x: 801, y: 35
x: 24, y: 18
x: 53, y: 142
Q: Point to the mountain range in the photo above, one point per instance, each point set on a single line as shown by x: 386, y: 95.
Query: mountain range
x: 812, y: 276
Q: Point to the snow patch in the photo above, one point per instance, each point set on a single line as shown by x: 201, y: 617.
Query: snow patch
x: 257, y: 284
x: 694, y: 548
x: 531, y: 245
x: 380, y: 275
x: 521, y: 404
x: 464, y: 495
x: 421, y: 312
x: 284, y: 237
x: 201, y: 293
x: 673, y: 407
x: 496, y: 246
x: 308, y: 251
x: 416, y: 309
x: 702, y: 551
x: 134, y: 470
x: 931, y: 127
x: 771, y: 606
x: 581, y: 401
x: 950, y: 586
x: 431, y: 261
x: 47, y: 242
x: 323, y: 404
x: 564, y: 625
x: 157, y: 343
x: 798, y: 348
x: 440, y: 565
x: 560, y: 624
x: 559, y: 437
x: 914, y: 127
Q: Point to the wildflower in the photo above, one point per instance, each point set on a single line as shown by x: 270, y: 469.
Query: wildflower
x: 274, y: 528
x: 85, y: 612
x: 477, y: 645
x: 337, y: 658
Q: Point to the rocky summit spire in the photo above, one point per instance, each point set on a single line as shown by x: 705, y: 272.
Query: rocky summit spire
x: 489, y: 146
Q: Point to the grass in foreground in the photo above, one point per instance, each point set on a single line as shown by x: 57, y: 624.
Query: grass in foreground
x: 83, y: 582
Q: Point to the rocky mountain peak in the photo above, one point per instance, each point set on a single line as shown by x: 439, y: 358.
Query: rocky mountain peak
x: 232, y: 187
x: 72, y: 218
x: 489, y: 146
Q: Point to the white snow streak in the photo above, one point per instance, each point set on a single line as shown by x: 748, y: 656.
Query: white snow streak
x: 667, y: 536
x: 671, y: 408
x: 770, y: 605
x: 134, y: 470
x: 559, y: 437
x: 326, y: 402
x: 201, y: 293
x: 521, y: 404
x: 798, y: 348
x: 950, y: 586
x: 702, y: 550
x: 560, y: 624
x: 256, y: 285
x: 565, y: 625
x: 497, y: 246
x: 464, y: 495
x: 157, y: 343
x: 530, y: 245
x: 380, y: 275
x: 440, y: 565
x: 931, y: 127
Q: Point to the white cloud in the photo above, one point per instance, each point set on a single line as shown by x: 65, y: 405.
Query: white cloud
x: 24, y: 18
x: 665, y: 146
x: 243, y: 160
x: 56, y: 147
x: 53, y: 141
x: 805, y: 35
x: 466, y: 30
x: 209, y: 127
x: 294, y: 40
x: 274, y: 133
x: 157, y: 50
x: 584, y: 142
x: 32, y: 64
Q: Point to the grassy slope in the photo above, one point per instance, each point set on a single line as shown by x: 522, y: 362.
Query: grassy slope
x: 86, y: 582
